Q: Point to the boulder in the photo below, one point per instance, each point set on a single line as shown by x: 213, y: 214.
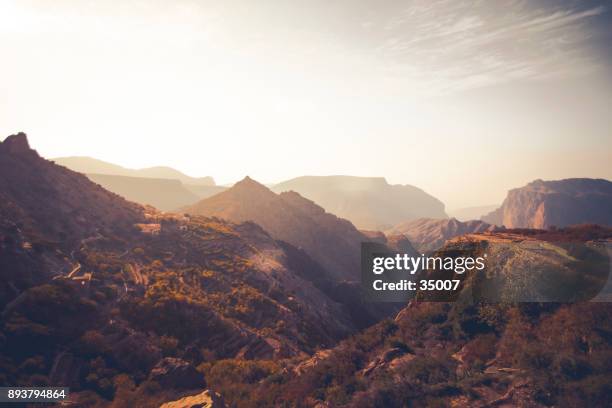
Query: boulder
x: 206, y: 399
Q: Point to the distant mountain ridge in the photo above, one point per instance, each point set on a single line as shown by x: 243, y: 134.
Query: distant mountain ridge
x: 471, y: 213
x: 89, y: 165
x: 164, y: 188
x: 428, y: 234
x: 542, y: 204
x: 370, y: 203
x: 163, y: 194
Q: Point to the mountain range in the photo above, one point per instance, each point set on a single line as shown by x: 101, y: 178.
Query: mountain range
x: 162, y: 187
x: 369, y: 203
x: 95, y: 289
x: 88, y: 165
x: 251, y: 297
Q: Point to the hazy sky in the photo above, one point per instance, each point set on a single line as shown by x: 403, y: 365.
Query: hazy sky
x: 463, y: 99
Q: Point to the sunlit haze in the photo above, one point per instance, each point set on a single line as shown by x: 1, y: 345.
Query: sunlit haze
x: 464, y: 101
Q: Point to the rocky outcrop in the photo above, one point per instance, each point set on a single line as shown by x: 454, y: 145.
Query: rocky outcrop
x: 206, y: 399
x: 17, y: 144
x: 389, y: 359
x: 543, y: 204
x: 368, y: 202
x: 313, y: 361
x: 176, y: 373
x: 428, y: 234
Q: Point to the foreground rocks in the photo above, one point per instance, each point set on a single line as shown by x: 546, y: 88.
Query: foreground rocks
x: 206, y: 399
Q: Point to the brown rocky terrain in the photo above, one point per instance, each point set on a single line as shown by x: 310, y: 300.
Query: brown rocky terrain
x: 45, y: 212
x: 471, y: 352
x: 428, y: 234
x: 543, y: 204
x: 206, y: 399
x: 38, y: 197
x: 123, y: 303
x: 331, y: 241
x: 370, y: 203
x: 129, y: 307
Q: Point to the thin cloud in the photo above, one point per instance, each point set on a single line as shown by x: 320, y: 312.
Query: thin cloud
x: 447, y: 46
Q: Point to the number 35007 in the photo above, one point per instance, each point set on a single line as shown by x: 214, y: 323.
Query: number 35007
x: 439, y: 284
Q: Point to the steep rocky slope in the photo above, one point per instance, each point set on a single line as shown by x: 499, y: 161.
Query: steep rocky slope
x: 542, y: 204
x: 471, y: 352
x: 331, y: 241
x: 428, y: 234
x: 45, y: 212
x: 97, y: 292
x: 368, y: 202
x: 40, y: 198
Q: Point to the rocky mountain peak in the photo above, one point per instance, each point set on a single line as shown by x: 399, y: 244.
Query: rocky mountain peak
x: 248, y: 186
x: 331, y: 241
x: 16, y: 144
x: 78, y: 209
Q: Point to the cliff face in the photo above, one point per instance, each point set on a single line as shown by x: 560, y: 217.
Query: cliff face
x: 542, y: 204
